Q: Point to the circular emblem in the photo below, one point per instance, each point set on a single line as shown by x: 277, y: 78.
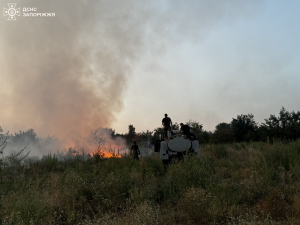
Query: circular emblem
x: 11, y: 12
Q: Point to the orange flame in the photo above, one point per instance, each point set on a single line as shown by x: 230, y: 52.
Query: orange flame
x: 107, y: 150
x: 104, y: 154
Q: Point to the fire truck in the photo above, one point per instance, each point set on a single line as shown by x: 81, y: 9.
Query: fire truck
x: 175, y: 146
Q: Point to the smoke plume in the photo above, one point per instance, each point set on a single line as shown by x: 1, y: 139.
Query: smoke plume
x: 70, y: 72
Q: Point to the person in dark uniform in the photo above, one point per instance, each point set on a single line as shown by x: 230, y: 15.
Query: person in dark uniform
x: 167, y: 123
x: 185, y: 129
x: 135, y: 151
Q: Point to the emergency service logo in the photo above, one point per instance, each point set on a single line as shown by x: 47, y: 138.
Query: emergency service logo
x: 11, y: 12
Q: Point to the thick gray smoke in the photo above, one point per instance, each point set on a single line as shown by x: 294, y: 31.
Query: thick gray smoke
x: 70, y: 72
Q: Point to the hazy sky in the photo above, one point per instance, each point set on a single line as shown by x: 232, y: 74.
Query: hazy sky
x: 239, y: 65
x: 115, y: 63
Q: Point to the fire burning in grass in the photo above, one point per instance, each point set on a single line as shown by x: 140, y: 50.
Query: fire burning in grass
x: 98, y: 152
x: 100, y: 143
x: 103, y: 154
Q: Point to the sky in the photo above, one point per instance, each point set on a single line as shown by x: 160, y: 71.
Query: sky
x: 115, y: 63
x: 249, y: 64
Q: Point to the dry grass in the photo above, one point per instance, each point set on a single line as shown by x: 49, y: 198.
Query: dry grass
x: 255, y: 183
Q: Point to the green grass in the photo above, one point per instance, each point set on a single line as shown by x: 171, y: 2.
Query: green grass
x: 239, y: 183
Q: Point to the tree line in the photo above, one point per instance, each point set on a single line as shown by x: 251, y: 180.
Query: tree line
x: 284, y: 127
x: 243, y: 128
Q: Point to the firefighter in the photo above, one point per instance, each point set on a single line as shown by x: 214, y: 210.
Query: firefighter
x: 185, y: 129
x: 135, y: 151
x: 167, y: 123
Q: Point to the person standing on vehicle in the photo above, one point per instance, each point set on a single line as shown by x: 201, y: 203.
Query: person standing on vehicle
x: 135, y: 151
x: 167, y: 123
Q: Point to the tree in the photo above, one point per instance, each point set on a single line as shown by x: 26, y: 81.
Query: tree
x: 144, y: 136
x: 204, y: 137
x: 157, y: 131
x: 2, y: 146
x: 175, y: 126
x: 8, y: 164
x: 244, y: 128
x: 223, y: 134
x: 26, y: 137
x: 196, y: 127
x: 131, y: 134
x: 293, y: 126
x: 221, y: 126
x: 3, y: 142
x: 131, y: 131
x: 284, y: 127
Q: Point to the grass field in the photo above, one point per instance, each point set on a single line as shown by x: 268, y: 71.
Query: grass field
x: 240, y: 183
